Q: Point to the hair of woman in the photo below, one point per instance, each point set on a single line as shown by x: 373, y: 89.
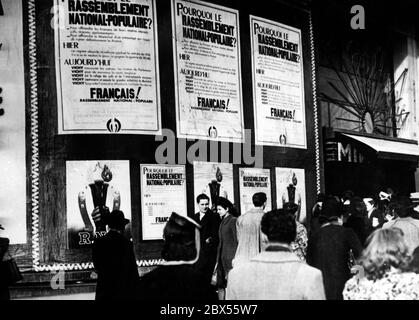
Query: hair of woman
x: 385, y: 249
x: 226, y: 204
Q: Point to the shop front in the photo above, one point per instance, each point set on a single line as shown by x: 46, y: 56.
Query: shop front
x: 367, y: 164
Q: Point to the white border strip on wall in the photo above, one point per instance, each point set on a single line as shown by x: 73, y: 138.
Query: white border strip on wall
x: 34, y: 134
x: 315, y: 106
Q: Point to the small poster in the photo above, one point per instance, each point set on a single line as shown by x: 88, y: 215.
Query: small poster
x: 253, y: 180
x: 90, y: 183
x: 107, y: 70
x: 163, y: 191
x: 213, y: 179
x: 12, y: 124
x: 290, y: 187
x: 207, y: 71
x: 278, y: 84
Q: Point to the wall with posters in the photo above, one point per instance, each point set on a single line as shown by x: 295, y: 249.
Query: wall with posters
x: 198, y: 90
x: 13, y: 159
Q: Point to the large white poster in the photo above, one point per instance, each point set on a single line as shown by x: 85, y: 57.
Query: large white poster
x: 213, y: 179
x: 12, y: 124
x: 253, y: 180
x: 207, y: 71
x: 163, y: 191
x: 278, y: 84
x: 90, y: 183
x: 107, y: 69
x: 291, y: 187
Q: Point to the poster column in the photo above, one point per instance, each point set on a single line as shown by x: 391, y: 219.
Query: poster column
x: 163, y: 191
x: 278, y: 84
x: 207, y: 71
x: 107, y: 69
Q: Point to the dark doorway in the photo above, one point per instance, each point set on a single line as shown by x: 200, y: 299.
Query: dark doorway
x: 368, y: 179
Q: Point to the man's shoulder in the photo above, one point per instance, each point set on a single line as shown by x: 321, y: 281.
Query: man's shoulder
x: 251, y: 214
x: 309, y: 270
x: 111, y: 237
x: 336, y: 231
x: 212, y: 215
x: 241, y: 268
x: 413, y: 220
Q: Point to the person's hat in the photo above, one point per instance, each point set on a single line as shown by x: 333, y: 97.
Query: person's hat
x: 181, y: 240
x: 331, y: 208
x: 368, y: 201
x: 180, y: 228
x: 116, y: 219
x: 384, y: 196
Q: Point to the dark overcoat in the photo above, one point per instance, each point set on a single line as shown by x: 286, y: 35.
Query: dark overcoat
x: 209, y: 242
x: 114, y: 261
x: 175, y: 283
x: 226, y: 248
x: 328, y: 250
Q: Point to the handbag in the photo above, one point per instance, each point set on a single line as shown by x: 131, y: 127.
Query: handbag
x: 10, y: 271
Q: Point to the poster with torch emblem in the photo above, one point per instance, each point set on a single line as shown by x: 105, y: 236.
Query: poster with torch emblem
x: 291, y: 187
x: 90, y: 184
x: 213, y: 179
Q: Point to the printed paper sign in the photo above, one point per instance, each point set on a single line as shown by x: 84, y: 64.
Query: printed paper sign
x: 107, y: 69
x: 278, y: 84
x: 163, y: 191
x: 207, y: 71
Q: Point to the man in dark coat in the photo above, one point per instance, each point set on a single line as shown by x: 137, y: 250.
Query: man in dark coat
x: 329, y: 249
x: 177, y: 279
x: 210, y: 223
x: 114, y: 261
x: 375, y: 216
x: 357, y: 220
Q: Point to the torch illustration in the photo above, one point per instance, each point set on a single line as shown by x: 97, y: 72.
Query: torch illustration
x: 99, y: 190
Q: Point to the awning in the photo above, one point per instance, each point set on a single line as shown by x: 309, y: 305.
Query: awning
x: 389, y: 149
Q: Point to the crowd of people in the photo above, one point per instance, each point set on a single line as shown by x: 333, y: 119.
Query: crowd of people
x: 352, y: 248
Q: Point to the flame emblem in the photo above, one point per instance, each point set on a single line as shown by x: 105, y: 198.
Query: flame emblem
x: 113, y: 125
